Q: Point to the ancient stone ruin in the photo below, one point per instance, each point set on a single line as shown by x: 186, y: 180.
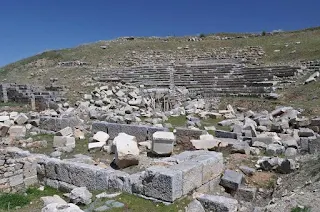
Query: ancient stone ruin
x: 155, y: 130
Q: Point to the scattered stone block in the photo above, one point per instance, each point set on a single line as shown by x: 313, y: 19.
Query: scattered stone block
x: 64, y: 141
x: 194, y: 206
x: 291, y: 152
x: 126, y: 150
x: 231, y: 180
x: 17, y: 131
x: 218, y: 203
x: 56, y: 207
x: 101, y: 136
x: 96, y: 145
x: 81, y: 196
x: 314, y: 145
x: 21, y: 119
x: 225, y: 134
x: 247, y: 194
x: 305, y: 132
x: 65, y: 132
x: 287, y: 166
x: 52, y: 199
x: 275, y: 149
x: 4, y: 118
x: 4, y: 129
x: 162, y: 143
x: 205, y: 144
x: 247, y: 170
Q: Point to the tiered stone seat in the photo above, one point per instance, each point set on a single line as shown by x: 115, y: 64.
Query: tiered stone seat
x: 208, y: 79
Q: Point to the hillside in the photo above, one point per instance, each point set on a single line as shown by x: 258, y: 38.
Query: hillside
x: 287, y: 48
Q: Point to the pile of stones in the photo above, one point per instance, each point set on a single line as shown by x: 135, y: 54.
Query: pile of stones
x: 121, y: 103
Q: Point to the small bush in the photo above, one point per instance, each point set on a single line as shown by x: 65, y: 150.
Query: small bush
x: 202, y: 35
x: 11, y: 201
x: 263, y: 33
x: 299, y: 209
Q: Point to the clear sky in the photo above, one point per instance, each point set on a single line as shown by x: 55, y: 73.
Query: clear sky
x: 28, y: 27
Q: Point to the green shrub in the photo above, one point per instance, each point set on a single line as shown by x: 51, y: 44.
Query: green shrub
x: 263, y: 33
x: 299, y: 209
x: 202, y: 35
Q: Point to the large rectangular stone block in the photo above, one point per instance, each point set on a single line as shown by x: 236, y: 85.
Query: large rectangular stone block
x: 113, y: 129
x: 83, y: 175
x: 63, y: 172
x: 102, y: 179
x: 152, y: 130
x: 119, y: 180
x: 163, y: 183
x: 212, y: 165
x: 50, y: 168
x: 225, y: 134
x: 191, y: 175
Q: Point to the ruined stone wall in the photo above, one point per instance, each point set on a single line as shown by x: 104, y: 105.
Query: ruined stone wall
x: 28, y: 94
x: 312, y: 65
x: 141, y: 132
x: 58, y: 123
x: 192, y: 170
x: 18, y: 170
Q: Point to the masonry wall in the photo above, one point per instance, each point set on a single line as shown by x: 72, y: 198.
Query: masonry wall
x: 18, y: 170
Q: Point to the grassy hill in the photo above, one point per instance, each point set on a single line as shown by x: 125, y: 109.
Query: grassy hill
x: 294, y: 47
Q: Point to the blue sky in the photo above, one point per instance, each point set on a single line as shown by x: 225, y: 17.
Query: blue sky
x: 28, y: 27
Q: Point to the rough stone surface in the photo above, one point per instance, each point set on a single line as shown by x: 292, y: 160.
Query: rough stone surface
x: 127, y: 151
x: 101, y: 136
x: 231, y: 180
x: 191, y: 175
x: 194, y: 206
x: 163, y: 183
x: 80, y: 195
x: 218, y: 203
x: 162, y: 143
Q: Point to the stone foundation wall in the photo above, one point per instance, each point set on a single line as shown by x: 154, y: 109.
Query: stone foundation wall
x: 184, y: 173
x: 18, y: 170
x: 55, y: 124
x: 141, y: 132
x: 177, y: 176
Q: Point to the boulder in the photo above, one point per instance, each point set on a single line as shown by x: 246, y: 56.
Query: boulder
x: 81, y: 196
x: 247, y: 170
x: 126, y: 150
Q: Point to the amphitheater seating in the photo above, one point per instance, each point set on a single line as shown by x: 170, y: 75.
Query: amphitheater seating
x: 207, y: 79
